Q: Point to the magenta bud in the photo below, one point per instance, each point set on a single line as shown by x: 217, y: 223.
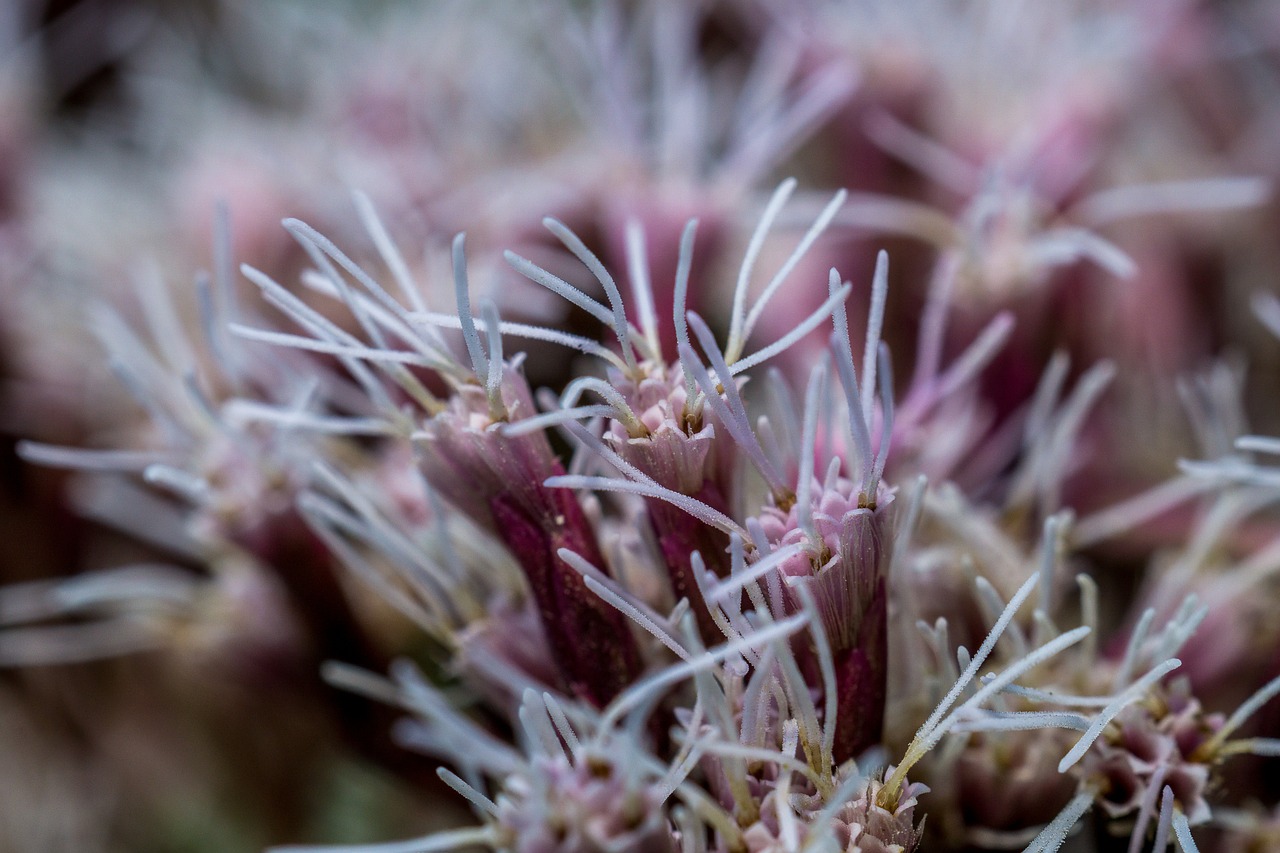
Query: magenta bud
x: 589, y: 639
x: 497, y: 480
x: 850, y: 593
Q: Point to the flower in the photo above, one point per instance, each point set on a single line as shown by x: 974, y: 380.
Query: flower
x: 658, y: 549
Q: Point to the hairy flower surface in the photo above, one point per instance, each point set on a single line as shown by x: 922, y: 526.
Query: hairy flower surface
x: 672, y: 524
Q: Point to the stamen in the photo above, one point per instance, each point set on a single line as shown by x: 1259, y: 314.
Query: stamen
x: 461, y: 293
x: 1259, y: 444
x: 1266, y: 306
x: 761, y: 144
x: 1055, y: 834
x: 859, y: 431
x: 80, y: 459
x: 330, y: 524
x: 680, y: 302
x: 875, y: 323
x: 283, y: 339
x: 311, y: 320
x: 710, y: 692
x: 1136, y: 639
x: 1053, y: 457
x: 1246, y: 710
x: 482, y: 804
x: 1173, y: 197
x: 319, y: 249
x: 623, y: 412
x: 1232, y: 471
x: 937, y: 726
x: 657, y: 682
x: 324, y: 244
x: 792, y: 337
x: 537, y: 726
x: 1064, y: 246
x: 387, y: 250
x: 561, y: 720
x: 1057, y: 698
x: 245, y: 411
x: 1048, y: 392
x: 353, y: 679
x: 925, y: 155
x: 788, y: 831
x: 150, y: 382
x: 992, y: 605
x: 1264, y: 746
x: 1130, y: 694
x: 493, y: 384
x: 642, y: 288
x: 560, y: 287
x: 935, y: 636
x: 933, y: 319
x: 535, y: 333
x: 224, y: 260
x: 984, y: 651
x: 757, y: 310
x: 479, y: 748
x: 755, y: 703
x: 617, y: 598
x: 1049, y: 559
x: 1045, y: 630
x: 212, y: 327
x: 1018, y: 721
x: 66, y: 644
x: 693, y: 506
x: 729, y: 408
x: 734, y: 584
x: 191, y: 487
x: 558, y: 417
x: 784, y: 759
x: 738, y: 315
x: 892, y: 215
x: 1128, y: 514
x: 683, y: 764
x: 1165, y: 822
x: 156, y: 587
x: 1006, y: 677
x: 871, y: 485
x: 1089, y: 613
x: 162, y: 321
x: 831, y: 698
x: 592, y: 263
x: 438, y: 357
x: 972, y: 361
x: 1178, y: 631
x: 804, y: 483
x: 769, y: 442
x: 1182, y: 831
x: 799, y: 698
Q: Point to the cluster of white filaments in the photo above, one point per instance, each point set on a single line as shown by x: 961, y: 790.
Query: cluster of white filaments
x: 759, y: 659
x: 754, y: 719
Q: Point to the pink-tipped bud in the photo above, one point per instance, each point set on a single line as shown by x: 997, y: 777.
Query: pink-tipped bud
x: 678, y: 451
x: 848, y: 580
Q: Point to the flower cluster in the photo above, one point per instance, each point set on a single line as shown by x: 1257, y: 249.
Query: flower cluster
x: 633, y: 519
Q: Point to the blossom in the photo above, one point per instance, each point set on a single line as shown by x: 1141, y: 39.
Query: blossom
x: 671, y: 523
x: 779, y: 581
